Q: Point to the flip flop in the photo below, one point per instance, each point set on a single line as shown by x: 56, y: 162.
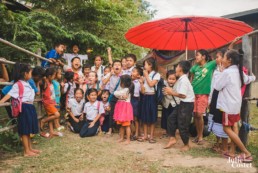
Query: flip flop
x: 152, y: 141
x: 248, y: 159
x: 195, y: 140
x: 141, y: 139
x: 227, y: 155
x: 201, y: 142
x: 134, y: 138
x: 45, y: 135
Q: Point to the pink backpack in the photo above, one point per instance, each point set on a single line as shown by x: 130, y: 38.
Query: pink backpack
x: 17, y: 103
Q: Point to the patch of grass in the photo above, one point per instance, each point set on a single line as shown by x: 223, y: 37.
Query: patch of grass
x: 202, y: 152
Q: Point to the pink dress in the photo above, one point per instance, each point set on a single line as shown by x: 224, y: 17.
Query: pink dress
x: 123, y: 110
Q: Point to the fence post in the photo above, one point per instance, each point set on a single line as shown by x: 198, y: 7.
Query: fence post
x: 247, y: 62
x: 38, y: 52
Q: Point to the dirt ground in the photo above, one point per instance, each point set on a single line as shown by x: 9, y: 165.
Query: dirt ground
x: 103, y: 154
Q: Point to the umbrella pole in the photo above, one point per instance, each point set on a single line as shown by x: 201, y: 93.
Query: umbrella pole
x: 186, y: 51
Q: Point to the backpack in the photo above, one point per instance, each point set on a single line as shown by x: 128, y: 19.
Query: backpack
x: 158, y: 89
x: 17, y: 103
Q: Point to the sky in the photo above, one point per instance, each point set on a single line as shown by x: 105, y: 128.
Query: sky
x: 168, y: 8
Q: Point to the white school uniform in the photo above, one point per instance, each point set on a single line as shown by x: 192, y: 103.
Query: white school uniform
x: 128, y: 71
x: 100, y: 71
x: 123, y: 92
x: 92, y: 110
x: 149, y: 89
x: 28, y: 94
x: 76, y: 107
x: 168, y: 99
x: 71, y: 90
x: 137, y: 88
x: 107, y: 86
x: 184, y: 87
x: 229, y: 86
x: 69, y: 56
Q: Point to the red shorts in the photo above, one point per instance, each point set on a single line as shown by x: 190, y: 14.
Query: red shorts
x: 229, y: 119
x: 201, y: 103
x: 50, y: 109
x: 125, y: 123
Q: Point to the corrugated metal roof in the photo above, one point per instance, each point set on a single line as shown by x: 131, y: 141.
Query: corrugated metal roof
x: 241, y: 14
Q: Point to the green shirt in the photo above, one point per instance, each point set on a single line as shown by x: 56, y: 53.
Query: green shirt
x: 202, y: 77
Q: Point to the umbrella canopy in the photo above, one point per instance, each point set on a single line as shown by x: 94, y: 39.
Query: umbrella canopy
x: 187, y: 33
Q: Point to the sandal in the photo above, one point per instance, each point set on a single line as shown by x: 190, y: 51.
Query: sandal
x: 195, y: 140
x: 134, y: 138
x: 141, y: 139
x: 152, y: 141
x: 227, y: 155
x: 248, y: 159
x: 201, y: 142
x: 45, y: 135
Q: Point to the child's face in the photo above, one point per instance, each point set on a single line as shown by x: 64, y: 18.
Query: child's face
x: 130, y: 62
x: 78, y: 95
x: 117, y: 68
x: 36, y: 78
x: 86, y: 71
x: 105, y: 96
x: 147, y: 66
x: 178, y: 70
x: 52, y: 77
x: 27, y: 75
x: 124, y: 64
x: 97, y: 61
x: 93, y: 97
x: 135, y: 74
x: 225, y: 61
x: 60, y: 49
x: 75, y: 49
x: 76, y: 64
x: 171, y: 79
x: 92, y: 78
x: 106, y: 71
x: 59, y: 74
x: 219, y: 58
x: 199, y: 58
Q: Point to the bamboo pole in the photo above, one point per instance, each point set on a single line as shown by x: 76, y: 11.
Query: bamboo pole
x: 22, y: 50
x: 3, y: 60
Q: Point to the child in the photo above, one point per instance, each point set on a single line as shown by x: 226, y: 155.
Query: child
x: 4, y: 76
x: 182, y: 114
x: 86, y: 71
x: 229, y: 84
x: 69, y: 87
x: 69, y: 56
x: 104, y: 118
x: 75, y: 110
x: 202, y: 74
x: 98, y: 67
x: 107, y: 71
x: 130, y: 63
x: 123, y: 113
x: 149, y: 106
x: 135, y: 99
x: 168, y: 102
x: 92, y: 83
x: 57, y: 89
x: 114, y: 79
x: 93, y: 109
x: 27, y: 119
x: 53, y: 55
x: 49, y: 103
x: 124, y: 65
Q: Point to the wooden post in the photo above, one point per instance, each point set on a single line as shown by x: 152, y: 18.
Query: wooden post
x: 38, y: 63
x: 247, y: 48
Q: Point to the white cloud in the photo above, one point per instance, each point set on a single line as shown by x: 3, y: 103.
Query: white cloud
x: 168, y: 8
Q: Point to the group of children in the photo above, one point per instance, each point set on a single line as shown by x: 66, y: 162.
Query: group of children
x: 99, y: 98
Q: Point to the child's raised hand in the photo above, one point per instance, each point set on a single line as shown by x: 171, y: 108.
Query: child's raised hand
x: 109, y: 49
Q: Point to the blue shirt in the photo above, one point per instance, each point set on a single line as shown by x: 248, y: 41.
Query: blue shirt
x: 57, y: 91
x: 6, y: 89
x: 51, y: 54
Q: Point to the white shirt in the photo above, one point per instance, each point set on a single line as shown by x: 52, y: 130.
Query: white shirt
x: 71, y: 90
x: 123, y: 92
x: 92, y: 110
x: 69, y: 56
x: 213, y: 81
x: 128, y: 71
x: 137, y: 88
x: 28, y: 92
x: 229, y: 86
x: 149, y: 89
x: 168, y: 99
x: 184, y: 87
x: 100, y: 71
x: 76, y: 107
x: 107, y: 86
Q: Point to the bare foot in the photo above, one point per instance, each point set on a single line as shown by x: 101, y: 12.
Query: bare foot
x: 127, y: 142
x: 30, y: 154
x: 35, y: 151
x: 170, y: 143
x: 120, y: 140
x: 185, y: 148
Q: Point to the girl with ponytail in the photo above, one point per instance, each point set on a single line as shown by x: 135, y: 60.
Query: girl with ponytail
x: 229, y: 83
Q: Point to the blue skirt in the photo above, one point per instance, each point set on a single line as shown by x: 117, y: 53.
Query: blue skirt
x: 164, y: 116
x: 149, y: 109
x: 135, y: 104
x: 28, y: 120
